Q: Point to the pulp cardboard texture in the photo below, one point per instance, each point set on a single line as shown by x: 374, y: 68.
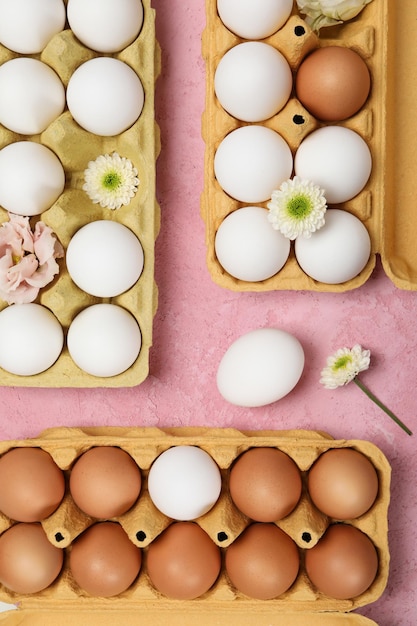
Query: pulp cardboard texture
x: 382, y: 35
x: 64, y: 603
x: 75, y: 147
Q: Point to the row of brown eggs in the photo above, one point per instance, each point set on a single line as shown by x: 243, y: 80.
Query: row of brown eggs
x: 184, y: 563
x: 265, y: 484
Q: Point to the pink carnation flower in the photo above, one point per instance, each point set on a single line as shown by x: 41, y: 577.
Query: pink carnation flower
x: 27, y: 259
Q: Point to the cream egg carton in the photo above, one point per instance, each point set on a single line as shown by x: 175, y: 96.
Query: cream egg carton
x: 380, y: 34
x: 75, y: 147
x: 63, y: 602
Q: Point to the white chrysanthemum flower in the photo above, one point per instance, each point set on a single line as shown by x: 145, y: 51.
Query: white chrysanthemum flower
x: 320, y: 13
x: 343, y: 366
x: 111, y: 181
x: 297, y: 208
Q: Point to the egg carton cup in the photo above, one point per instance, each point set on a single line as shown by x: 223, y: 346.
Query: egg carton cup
x: 223, y: 523
x: 382, y: 36
x: 75, y: 147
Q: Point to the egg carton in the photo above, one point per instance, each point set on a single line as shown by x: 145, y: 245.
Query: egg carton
x: 223, y: 523
x: 75, y: 147
x: 379, y: 35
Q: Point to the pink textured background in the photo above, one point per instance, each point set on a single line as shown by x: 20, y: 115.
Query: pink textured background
x: 197, y: 320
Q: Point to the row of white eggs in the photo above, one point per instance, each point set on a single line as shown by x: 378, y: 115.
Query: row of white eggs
x: 104, y: 95
x: 108, y: 26
x: 252, y: 161
x: 103, y: 339
x: 249, y: 249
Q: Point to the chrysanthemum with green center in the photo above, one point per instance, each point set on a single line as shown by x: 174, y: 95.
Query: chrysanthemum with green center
x: 297, y: 208
x: 111, y: 181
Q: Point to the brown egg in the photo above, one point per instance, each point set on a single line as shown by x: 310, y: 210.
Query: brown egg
x: 333, y: 83
x: 343, y: 483
x: 265, y: 484
x: 105, y: 482
x: 183, y: 562
x: 29, y: 563
x: 343, y: 564
x: 263, y: 562
x: 103, y: 560
x: 31, y: 484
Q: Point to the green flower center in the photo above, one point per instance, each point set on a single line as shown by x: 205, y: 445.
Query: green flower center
x: 299, y: 207
x: 111, y: 180
x: 342, y: 362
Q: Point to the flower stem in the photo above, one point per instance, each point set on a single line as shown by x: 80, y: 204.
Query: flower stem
x: 382, y: 406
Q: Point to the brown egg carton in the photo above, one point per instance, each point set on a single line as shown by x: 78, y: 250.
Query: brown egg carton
x: 223, y: 523
x: 379, y: 35
x: 75, y: 147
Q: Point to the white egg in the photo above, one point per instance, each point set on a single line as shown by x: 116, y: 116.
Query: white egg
x: 104, y: 340
x: 31, y: 339
x: 253, y: 81
x: 31, y: 178
x: 26, y: 26
x: 252, y: 161
x: 31, y: 95
x: 105, y: 96
x: 337, y: 159
x: 254, y: 19
x: 338, y: 251
x: 105, y: 25
x: 104, y: 258
x: 260, y: 367
x: 184, y: 482
x: 247, y: 246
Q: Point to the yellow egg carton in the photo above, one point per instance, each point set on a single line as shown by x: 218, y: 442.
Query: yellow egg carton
x: 75, y: 147
x: 382, y: 35
x: 64, y: 603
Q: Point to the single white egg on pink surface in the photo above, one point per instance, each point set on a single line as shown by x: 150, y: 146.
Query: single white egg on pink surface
x: 248, y: 248
x: 184, y: 482
x: 252, y: 161
x: 41, y: 184
x: 104, y: 258
x: 253, y: 81
x: 105, y: 96
x: 260, y: 367
x: 32, y: 95
x: 337, y: 159
x: 254, y: 19
x: 27, y: 26
x: 104, y: 340
x: 105, y: 25
x: 31, y: 339
x: 337, y: 252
